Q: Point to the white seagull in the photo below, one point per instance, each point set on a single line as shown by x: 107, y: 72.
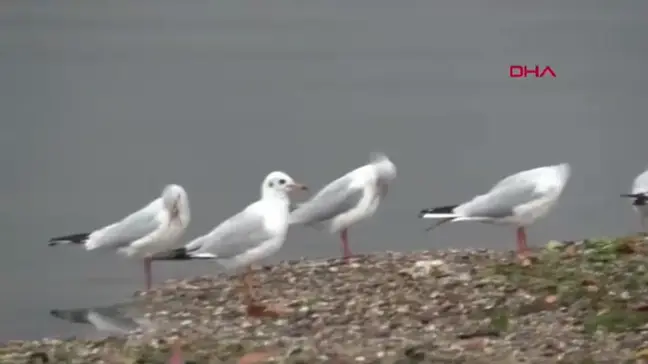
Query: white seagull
x: 253, y: 234
x: 519, y: 199
x: 349, y: 199
x: 640, y: 194
x: 155, y: 228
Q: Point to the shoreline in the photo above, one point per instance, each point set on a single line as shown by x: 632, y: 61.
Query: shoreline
x: 576, y: 302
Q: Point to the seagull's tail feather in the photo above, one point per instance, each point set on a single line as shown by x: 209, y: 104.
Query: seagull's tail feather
x: 441, y: 212
x: 69, y: 239
x: 183, y: 254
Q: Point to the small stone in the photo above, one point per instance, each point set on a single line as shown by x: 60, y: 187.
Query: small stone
x: 551, y: 299
x: 430, y: 328
x: 465, y: 277
x: 554, y: 245
x: 402, y: 309
x: 592, y: 289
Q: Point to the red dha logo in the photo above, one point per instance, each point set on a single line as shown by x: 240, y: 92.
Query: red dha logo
x: 517, y: 71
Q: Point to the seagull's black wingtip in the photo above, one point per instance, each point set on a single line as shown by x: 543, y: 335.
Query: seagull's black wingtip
x: 438, y: 210
x: 175, y: 254
x: 69, y: 239
x: 641, y: 199
x: 423, y: 212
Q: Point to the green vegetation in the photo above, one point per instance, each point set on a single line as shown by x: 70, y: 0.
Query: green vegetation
x: 605, y: 279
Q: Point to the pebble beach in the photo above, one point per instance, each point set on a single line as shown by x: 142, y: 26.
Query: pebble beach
x: 571, y: 302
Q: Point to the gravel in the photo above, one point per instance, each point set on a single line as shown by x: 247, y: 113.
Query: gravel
x: 573, y: 302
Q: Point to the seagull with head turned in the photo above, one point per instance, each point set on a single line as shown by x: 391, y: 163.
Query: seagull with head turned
x: 255, y: 233
x: 519, y: 199
x: 155, y: 228
x: 348, y: 199
x: 639, y: 194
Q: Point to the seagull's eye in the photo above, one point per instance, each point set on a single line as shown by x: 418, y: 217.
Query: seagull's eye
x: 282, y: 181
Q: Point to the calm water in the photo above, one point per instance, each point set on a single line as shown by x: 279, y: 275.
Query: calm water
x: 105, y: 102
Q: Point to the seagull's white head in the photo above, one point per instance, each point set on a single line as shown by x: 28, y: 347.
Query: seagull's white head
x: 384, y: 166
x: 279, y: 184
x: 175, y: 200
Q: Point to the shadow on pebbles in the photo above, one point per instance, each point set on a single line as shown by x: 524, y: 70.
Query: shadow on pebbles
x: 574, y: 302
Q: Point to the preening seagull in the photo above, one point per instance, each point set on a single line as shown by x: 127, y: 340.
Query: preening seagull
x: 348, y: 199
x: 253, y: 234
x: 519, y: 199
x: 639, y: 193
x: 155, y: 228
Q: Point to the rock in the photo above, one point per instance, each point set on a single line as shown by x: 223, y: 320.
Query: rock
x: 555, y: 245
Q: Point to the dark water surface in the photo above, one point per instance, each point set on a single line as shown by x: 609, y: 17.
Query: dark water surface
x: 105, y: 102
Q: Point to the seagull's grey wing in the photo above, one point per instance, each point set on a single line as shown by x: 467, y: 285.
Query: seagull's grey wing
x: 334, y: 199
x: 235, y: 236
x: 561, y: 171
x: 134, y: 226
x: 516, y: 179
x: 640, y: 184
x: 500, y: 202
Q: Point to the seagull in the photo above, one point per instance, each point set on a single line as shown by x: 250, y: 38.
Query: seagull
x: 519, y: 199
x: 155, y: 228
x: 640, y: 196
x: 348, y: 199
x: 116, y: 319
x: 255, y: 233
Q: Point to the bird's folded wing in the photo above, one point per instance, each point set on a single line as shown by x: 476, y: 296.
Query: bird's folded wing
x: 336, y: 198
x: 500, y: 202
x: 236, y: 235
x: 132, y: 227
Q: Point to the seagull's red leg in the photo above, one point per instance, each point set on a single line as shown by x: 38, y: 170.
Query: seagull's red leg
x: 147, y: 272
x: 254, y: 308
x: 521, y: 241
x: 248, y: 285
x: 176, y: 354
x: 346, y: 252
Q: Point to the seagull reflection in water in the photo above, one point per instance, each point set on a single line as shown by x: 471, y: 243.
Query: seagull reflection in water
x: 113, y: 320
